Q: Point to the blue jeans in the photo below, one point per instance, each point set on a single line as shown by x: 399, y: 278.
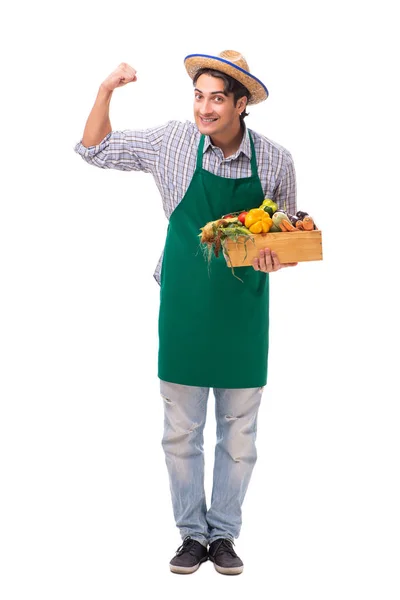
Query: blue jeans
x: 185, y: 410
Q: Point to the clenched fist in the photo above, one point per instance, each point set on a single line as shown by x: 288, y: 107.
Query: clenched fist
x: 122, y: 75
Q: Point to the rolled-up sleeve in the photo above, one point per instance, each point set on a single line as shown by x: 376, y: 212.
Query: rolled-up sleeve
x: 285, y: 194
x: 125, y: 150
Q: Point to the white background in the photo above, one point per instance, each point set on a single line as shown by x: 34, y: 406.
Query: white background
x: 85, y: 505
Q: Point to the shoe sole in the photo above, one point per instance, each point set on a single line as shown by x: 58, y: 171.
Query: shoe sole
x: 186, y: 570
x: 228, y: 570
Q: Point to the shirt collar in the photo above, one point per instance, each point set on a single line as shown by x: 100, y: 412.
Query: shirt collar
x: 244, y: 145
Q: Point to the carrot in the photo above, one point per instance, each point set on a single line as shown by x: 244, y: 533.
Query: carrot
x: 286, y: 225
x: 308, y: 223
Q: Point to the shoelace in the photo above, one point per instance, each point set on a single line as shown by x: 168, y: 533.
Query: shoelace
x: 186, y: 546
x: 226, y: 546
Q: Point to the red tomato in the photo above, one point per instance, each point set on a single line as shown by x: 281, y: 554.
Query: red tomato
x: 242, y: 216
x: 227, y: 216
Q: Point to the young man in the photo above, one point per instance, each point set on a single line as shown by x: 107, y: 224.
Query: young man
x: 204, y: 170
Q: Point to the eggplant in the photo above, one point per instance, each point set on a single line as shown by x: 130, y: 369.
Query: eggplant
x: 302, y: 214
x: 293, y: 219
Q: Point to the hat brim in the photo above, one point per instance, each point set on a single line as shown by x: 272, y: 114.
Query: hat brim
x: 195, y: 62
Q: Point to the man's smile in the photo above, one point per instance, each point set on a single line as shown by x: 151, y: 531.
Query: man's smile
x: 208, y: 119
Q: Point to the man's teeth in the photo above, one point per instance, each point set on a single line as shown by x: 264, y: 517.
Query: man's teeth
x: 208, y: 120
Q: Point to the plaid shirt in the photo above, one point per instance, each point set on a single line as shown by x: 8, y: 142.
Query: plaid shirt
x: 169, y: 153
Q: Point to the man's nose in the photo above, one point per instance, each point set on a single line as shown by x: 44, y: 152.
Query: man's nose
x: 206, y: 107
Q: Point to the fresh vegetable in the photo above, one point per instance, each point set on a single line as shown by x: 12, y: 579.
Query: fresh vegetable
x: 242, y: 216
x: 235, y: 229
x: 301, y: 214
x: 209, y: 231
x: 215, y: 231
x: 242, y: 226
x: 258, y: 221
x: 286, y: 225
x: 306, y: 224
x: 277, y: 217
x: 293, y: 219
x: 269, y: 206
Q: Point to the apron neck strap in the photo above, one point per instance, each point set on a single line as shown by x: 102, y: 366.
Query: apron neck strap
x: 253, y: 161
x: 199, y: 164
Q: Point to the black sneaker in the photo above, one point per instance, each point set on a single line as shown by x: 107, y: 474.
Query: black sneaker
x: 225, y: 559
x: 188, y: 557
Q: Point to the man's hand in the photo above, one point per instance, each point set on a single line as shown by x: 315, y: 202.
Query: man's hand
x: 122, y: 75
x: 268, y: 261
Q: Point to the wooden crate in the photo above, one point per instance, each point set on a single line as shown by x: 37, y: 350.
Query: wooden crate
x: 293, y: 246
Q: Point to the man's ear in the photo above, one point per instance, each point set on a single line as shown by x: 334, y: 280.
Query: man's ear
x: 241, y: 104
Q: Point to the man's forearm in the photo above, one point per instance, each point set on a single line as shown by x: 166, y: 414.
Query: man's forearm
x: 98, y: 124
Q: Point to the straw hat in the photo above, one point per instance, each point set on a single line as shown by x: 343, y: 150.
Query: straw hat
x: 232, y: 63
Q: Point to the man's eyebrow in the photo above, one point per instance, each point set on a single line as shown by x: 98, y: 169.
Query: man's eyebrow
x: 211, y: 93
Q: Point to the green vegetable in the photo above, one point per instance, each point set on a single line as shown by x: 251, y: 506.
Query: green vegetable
x: 269, y: 206
x: 276, y: 220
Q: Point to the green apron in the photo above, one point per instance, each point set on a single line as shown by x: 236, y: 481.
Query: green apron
x: 213, y: 328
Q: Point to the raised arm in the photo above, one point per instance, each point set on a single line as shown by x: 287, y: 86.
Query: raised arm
x: 98, y: 123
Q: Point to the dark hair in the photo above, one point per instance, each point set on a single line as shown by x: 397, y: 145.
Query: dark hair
x: 231, y: 86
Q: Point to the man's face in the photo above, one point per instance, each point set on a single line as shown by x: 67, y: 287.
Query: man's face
x: 214, y: 111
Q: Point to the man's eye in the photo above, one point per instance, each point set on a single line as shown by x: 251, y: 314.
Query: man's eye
x: 219, y: 98
x: 197, y: 96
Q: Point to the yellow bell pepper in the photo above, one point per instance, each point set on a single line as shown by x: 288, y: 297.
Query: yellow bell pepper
x: 258, y: 221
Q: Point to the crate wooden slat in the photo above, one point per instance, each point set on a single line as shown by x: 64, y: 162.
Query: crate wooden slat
x: 293, y: 246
